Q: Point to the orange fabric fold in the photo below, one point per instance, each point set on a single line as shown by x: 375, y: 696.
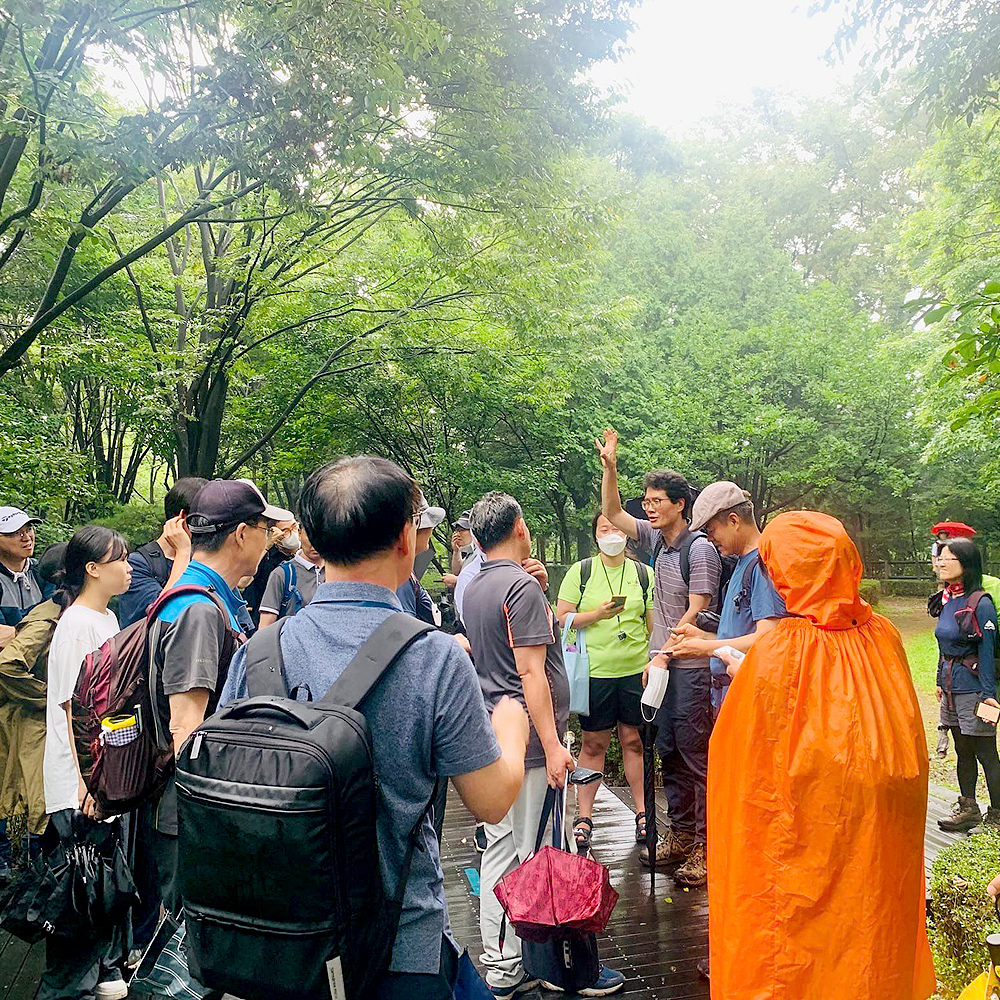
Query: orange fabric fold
x: 817, y: 793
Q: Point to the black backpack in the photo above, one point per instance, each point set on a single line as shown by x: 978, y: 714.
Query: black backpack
x: 728, y: 562
x: 641, y: 571
x: 157, y: 562
x: 279, y: 860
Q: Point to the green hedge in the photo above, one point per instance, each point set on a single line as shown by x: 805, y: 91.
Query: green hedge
x: 962, y: 913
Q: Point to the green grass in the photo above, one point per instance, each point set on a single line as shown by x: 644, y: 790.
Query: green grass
x: 922, y: 652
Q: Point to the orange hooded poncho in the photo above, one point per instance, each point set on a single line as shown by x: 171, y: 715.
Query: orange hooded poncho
x: 817, y: 793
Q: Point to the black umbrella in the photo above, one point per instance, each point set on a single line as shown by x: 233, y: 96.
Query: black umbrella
x: 648, y: 732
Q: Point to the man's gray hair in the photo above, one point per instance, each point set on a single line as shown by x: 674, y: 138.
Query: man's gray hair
x: 493, y: 519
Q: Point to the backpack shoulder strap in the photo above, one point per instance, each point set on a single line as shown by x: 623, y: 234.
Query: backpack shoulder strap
x: 686, y: 542
x: 289, y: 599
x: 642, y: 572
x: 586, y: 565
x: 264, y: 665
x: 657, y: 549
x: 379, y: 652
x: 157, y: 562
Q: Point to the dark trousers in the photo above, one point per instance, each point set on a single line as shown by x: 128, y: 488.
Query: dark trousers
x: 421, y: 986
x: 685, y: 721
x: 146, y: 913
x: 74, y: 966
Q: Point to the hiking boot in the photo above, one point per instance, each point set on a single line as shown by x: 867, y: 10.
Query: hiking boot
x: 992, y: 818
x: 524, y: 984
x: 703, y: 969
x: 694, y: 872
x: 479, y: 840
x: 608, y: 981
x: 964, y: 816
x: 672, y: 850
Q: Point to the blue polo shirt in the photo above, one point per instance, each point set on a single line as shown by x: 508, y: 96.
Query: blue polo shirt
x: 750, y: 597
x: 427, y: 720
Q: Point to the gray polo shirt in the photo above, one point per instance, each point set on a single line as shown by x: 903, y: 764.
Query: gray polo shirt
x: 306, y: 578
x: 427, y: 720
x: 505, y: 608
x: 19, y: 593
x: 670, y: 592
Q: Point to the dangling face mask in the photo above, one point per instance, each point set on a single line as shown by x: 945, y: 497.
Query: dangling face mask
x: 612, y: 545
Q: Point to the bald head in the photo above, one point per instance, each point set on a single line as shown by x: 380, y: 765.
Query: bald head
x: 357, y: 507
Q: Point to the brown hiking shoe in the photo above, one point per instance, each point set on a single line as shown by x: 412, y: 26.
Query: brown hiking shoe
x: 694, y: 872
x: 963, y: 817
x: 671, y: 850
x: 992, y: 818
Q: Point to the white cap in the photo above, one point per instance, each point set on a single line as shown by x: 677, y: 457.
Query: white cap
x: 14, y: 519
x: 430, y: 517
x: 270, y: 511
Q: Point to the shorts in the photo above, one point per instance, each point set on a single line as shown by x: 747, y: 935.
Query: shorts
x: 613, y: 700
x: 963, y: 716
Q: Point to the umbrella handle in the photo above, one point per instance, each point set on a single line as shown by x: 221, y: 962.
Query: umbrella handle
x: 568, y: 741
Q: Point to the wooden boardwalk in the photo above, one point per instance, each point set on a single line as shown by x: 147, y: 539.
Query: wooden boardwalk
x: 655, y: 938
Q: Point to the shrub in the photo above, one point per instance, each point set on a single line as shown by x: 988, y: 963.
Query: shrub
x: 871, y: 591
x: 962, y: 913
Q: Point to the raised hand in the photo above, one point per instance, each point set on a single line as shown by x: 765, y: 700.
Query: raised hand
x: 608, y: 448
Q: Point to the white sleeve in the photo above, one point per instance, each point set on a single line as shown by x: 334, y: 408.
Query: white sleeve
x: 66, y: 657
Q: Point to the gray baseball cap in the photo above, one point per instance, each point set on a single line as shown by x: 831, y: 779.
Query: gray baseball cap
x: 713, y: 500
x: 463, y: 523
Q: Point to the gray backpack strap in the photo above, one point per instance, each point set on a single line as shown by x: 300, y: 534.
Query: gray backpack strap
x: 265, y: 670
x: 380, y: 651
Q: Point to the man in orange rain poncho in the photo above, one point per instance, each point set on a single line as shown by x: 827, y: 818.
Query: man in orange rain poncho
x: 817, y: 793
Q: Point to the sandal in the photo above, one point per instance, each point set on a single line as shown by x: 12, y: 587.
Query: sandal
x: 640, y: 828
x: 583, y: 833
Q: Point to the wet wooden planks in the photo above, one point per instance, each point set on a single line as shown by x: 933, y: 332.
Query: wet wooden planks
x: 655, y: 943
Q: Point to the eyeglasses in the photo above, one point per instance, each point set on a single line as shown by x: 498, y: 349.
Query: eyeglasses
x: 654, y: 503
x: 26, y: 532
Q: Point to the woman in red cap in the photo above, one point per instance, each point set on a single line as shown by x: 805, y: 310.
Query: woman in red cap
x: 817, y: 793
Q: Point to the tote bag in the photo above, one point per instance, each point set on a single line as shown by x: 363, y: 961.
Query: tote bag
x: 577, y: 668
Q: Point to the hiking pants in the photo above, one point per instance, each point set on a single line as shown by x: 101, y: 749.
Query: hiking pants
x: 509, y: 843
x: 685, y: 721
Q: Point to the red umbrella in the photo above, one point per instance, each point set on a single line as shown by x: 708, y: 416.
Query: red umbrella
x: 557, y: 891
x: 955, y: 529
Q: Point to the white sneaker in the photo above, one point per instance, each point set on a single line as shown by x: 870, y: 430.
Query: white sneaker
x: 114, y: 989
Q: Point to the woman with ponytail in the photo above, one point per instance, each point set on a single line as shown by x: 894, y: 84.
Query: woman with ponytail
x: 95, y: 570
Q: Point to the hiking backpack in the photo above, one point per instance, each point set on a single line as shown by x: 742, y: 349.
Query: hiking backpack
x: 971, y: 630
x: 279, y: 861
x: 114, y: 725
x: 689, y: 538
x: 291, y: 597
x: 641, y: 571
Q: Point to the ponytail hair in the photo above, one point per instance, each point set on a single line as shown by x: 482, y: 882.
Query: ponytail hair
x: 91, y: 543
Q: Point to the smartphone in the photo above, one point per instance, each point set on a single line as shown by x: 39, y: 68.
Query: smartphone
x: 988, y: 713
x: 734, y: 653
x: 618, y: 601
x: 584, y: 776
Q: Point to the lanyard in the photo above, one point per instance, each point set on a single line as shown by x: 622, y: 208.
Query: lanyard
x: 621, y: 583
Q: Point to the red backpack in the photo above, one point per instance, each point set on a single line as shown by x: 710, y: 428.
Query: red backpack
x: 113, y: 723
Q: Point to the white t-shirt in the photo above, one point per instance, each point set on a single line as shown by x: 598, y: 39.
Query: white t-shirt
x: 80, y: 631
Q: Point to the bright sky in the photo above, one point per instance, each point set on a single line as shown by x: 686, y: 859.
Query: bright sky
x: 689, y: 58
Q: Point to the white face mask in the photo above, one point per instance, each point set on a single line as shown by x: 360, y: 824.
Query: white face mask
x: 612, y: 545
x: 290, y: 543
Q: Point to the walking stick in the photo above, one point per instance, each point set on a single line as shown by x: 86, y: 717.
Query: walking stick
x: 648, y: 734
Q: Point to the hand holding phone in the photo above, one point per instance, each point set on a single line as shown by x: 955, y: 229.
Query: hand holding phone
x: 618, y: 601
x: 988, y: 713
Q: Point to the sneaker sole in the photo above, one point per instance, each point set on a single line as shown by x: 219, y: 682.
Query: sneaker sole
x: 117, y: 994
x: 591, y: 992
x: 522, y: 987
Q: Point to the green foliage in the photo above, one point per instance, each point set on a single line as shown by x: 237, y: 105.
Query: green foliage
x: 962, y: 912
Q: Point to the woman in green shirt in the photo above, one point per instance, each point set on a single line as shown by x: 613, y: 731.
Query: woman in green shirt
x: 617, y: 644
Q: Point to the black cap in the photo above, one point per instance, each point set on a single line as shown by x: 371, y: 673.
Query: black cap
x: 225, y: 502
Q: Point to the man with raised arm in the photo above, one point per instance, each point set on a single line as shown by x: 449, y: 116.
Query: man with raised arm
x: 686, y: 571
